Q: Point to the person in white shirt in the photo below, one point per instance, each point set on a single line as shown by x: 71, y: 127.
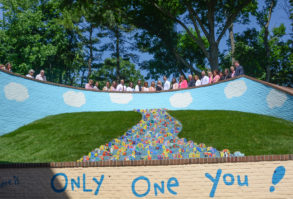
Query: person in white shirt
x: 205, y: 79
x: 41, y: 76
x: 138, y: 86
x: 121, y: 86
x: 96, y: 87
x: 166, y: 84
x: 197, y: 81
x: 31, y: 73
x: 145, y: 87
x: 130, y: 87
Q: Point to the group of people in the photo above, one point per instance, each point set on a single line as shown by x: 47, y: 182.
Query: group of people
x: 193, y: 80
x: 41, y: 76
x: 209, y: 78
x: 7, y: 67
x: 31, y: 73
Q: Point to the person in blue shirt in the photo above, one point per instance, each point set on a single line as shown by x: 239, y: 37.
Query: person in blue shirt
x: 239, y: 69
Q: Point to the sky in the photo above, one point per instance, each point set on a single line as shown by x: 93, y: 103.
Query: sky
x: 279, y: 16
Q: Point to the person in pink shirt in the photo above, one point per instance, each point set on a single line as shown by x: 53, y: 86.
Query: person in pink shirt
x: 89, y: 86
x: 153, y: 86
x: 210, y: 74
x: 183, y: 82
x: 232, y: 71
x: 216, y: 76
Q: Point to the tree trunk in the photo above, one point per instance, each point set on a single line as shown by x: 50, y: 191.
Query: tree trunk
x: 266, y: 43
x: 91, y: 51
x: 214, y: 56
x: 117, y: 54
x: 232, y: 41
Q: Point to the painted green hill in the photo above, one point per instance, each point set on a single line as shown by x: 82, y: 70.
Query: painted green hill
x: 67, y: 137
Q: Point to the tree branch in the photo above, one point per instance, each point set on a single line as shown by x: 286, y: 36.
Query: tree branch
x: 232, y: 18
x: 198, y: 40
x: 193, y: 14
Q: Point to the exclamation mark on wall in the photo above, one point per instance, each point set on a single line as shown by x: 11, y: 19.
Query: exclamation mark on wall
x: 278, y: 175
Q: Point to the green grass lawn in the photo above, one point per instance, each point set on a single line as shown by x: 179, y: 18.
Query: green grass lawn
x: 248, y: 133
x: 67, y: 137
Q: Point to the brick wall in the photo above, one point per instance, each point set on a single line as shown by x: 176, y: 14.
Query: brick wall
x: 246, y: 177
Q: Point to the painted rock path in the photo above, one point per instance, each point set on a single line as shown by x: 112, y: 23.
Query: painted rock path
x: 155, y: 137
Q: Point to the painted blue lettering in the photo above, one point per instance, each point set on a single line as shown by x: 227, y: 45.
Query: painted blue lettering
x: 99, y: 183
x: 161, y: 189
x: 170, y: 184
x: 215, y: 181
x: 133, y: 186
x: 231, y: 179
x: 242, y: 183
x: 53, y: 185
x: 77, y: 184
x: 84, y: 185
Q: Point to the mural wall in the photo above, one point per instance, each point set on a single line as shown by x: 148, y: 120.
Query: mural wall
x: 268, y: 179
x: 24, y: 101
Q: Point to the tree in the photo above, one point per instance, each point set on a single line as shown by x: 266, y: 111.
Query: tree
x: 35, y: 39
x: 208, y: 18
x: 264, y: 18
x: 107, y: 71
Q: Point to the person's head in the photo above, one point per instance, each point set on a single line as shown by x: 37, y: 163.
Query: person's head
x: 203, y: 73
x: 221, y: 73
x: 8, y: 66
x: 210, y: 74
x: 182, y: 77
x: 146, y: 84
x: 139, y: 82
x: 42, y: 72
x: 153, y: 84
x: 107, y: 84
x: 97, y: 84
x: 91, y: 82
x: 236, y: 63
x: 159, y: 83
x: 2, y: 66
x: 226, y: 71
x: 196, y: 77
x: 114, y: 84
x: 215, y: 72
x: 232, y: 69
x: 122, y: 81
x: 130, y: 84
x: 190, y: 77
x: 31, y: 72
x: 174, y: 80
x: 165, y: 78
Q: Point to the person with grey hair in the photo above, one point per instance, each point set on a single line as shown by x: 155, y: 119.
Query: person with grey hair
x: 41, y: 76
x: 30, y: 74
x: 205, y: 79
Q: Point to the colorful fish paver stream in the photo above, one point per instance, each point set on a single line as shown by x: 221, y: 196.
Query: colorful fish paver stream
x: 155, y: 137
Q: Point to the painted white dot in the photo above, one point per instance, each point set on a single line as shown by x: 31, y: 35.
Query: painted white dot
x: 15, y: 91
x: 74, y: 99
x: 181, y: 100
x: 235, y: 89
x: 120, y: 98
x: 276, y: 98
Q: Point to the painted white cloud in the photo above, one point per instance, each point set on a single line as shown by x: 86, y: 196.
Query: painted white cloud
x: 181, y: 100
x: 75, y: 99
x: 121, y: 98
x: 15, y: 91
x: 235, y: 89
x: 276, y: 98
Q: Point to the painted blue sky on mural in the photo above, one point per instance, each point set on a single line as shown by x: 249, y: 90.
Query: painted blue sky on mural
x: 24, y: 101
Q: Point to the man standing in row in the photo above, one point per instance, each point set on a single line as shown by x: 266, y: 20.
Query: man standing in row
x: 166, y: 84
